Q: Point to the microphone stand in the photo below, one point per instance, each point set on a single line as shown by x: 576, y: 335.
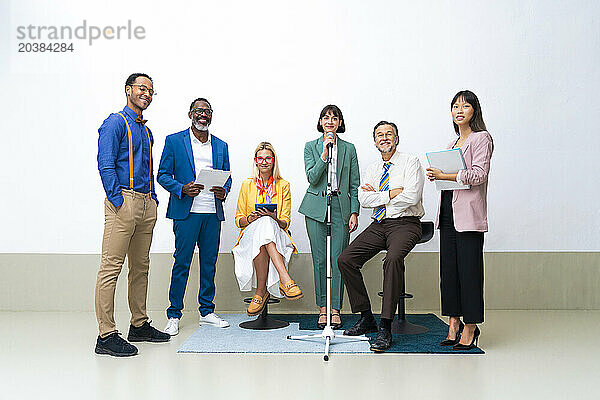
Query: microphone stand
x: 328, y: 334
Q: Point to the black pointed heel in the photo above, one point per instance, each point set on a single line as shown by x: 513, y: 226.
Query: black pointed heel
x: 473, y: 343
x: 452, y: 342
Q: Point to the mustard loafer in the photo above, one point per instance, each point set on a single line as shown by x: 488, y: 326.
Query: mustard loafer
x: 291, y: 291
x: 257, y: 304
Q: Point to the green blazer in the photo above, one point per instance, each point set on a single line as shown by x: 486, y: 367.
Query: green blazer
x: 314, y: 204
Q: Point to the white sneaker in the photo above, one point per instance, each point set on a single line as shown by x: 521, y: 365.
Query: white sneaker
x: 172, y: 327
x: 213, y: 319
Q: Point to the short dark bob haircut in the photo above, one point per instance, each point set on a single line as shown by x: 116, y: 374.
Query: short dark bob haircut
x: 476, y: 123
x: 335, y: 110
x: 380, y: 123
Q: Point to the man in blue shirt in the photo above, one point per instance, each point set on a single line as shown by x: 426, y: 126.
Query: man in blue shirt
x: 125, y: 166
x: 197, y: 212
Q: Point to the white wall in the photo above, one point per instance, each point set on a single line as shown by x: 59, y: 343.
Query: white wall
x: 268, y: 69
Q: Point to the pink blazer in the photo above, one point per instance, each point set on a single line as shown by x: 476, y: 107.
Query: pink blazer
x: 470, y: 206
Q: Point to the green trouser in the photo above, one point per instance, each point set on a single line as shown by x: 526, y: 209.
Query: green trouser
x: 317, y: 235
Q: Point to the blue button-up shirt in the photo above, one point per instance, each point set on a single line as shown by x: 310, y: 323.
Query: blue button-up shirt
x: 113, y: 156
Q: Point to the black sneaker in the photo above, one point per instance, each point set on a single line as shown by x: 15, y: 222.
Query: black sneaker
x: 147, y: 333
x: 115, y: 345
x: 383, y: 341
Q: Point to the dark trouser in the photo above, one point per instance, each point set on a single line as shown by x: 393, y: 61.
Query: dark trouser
x: 399, y: 236
x: 461, y: 268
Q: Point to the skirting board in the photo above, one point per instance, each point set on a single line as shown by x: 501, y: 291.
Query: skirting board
x: 513, y: 280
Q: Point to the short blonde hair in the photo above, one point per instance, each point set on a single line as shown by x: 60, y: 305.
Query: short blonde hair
x: 266, y: 146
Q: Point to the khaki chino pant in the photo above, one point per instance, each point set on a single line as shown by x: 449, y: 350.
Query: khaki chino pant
x: 127, y: 232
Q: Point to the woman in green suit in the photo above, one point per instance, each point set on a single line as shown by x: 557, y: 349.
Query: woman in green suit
x: 344, y: 206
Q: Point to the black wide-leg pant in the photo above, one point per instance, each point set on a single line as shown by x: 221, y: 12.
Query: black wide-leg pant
x: 461, y: 268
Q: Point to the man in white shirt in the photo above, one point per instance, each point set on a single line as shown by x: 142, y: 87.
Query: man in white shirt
x: 197, y: 212
x: 393, y: 188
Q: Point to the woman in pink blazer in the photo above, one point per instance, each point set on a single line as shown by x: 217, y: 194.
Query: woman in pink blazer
x: 462, y: 220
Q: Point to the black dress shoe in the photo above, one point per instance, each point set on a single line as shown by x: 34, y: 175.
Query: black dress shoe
x: 452, y: 342
x: 362, y: 326
x: 473, y: 343
x: 115, y: 346
x: 383, y: 341
x: 147, y: 333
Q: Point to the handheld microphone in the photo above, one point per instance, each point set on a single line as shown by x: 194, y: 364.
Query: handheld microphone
x: 329, y: 136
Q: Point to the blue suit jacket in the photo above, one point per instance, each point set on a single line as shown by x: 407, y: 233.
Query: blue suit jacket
x: 177, y: 169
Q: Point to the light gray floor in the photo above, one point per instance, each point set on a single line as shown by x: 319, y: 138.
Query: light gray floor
x: 529, y: 355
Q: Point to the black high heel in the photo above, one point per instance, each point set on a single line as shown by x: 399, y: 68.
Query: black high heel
x: 473, y: 344
x: 451, y: 342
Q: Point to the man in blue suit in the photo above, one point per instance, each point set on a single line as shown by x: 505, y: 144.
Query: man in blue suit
x: 196, y: 211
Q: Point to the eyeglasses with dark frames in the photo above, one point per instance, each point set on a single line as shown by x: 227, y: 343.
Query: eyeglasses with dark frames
x: 200, y: 111
x: 145, y: 89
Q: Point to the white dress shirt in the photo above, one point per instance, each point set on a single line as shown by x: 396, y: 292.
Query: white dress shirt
x: 333, y: 167
x: 204, y: 203
x: 405, y: 172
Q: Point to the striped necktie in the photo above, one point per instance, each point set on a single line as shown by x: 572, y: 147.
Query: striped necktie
x: 384, y: 184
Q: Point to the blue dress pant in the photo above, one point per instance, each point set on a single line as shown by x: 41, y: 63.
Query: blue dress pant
x: 204, y: 231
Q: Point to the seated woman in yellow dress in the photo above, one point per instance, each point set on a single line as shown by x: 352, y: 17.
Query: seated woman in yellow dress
x: 264, y: 246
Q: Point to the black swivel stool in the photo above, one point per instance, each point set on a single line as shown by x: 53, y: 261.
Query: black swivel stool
x: 264, y: 321
x: 401, y: 326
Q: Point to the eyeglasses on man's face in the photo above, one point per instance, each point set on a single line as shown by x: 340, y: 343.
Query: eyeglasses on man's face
x: 261, y: 160
x: 144, y: 89
x: 385, y: 135
x: 200, y: 111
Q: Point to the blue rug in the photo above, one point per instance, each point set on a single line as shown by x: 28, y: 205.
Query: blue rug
x: 428, y: 342
x: 234, y: 339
